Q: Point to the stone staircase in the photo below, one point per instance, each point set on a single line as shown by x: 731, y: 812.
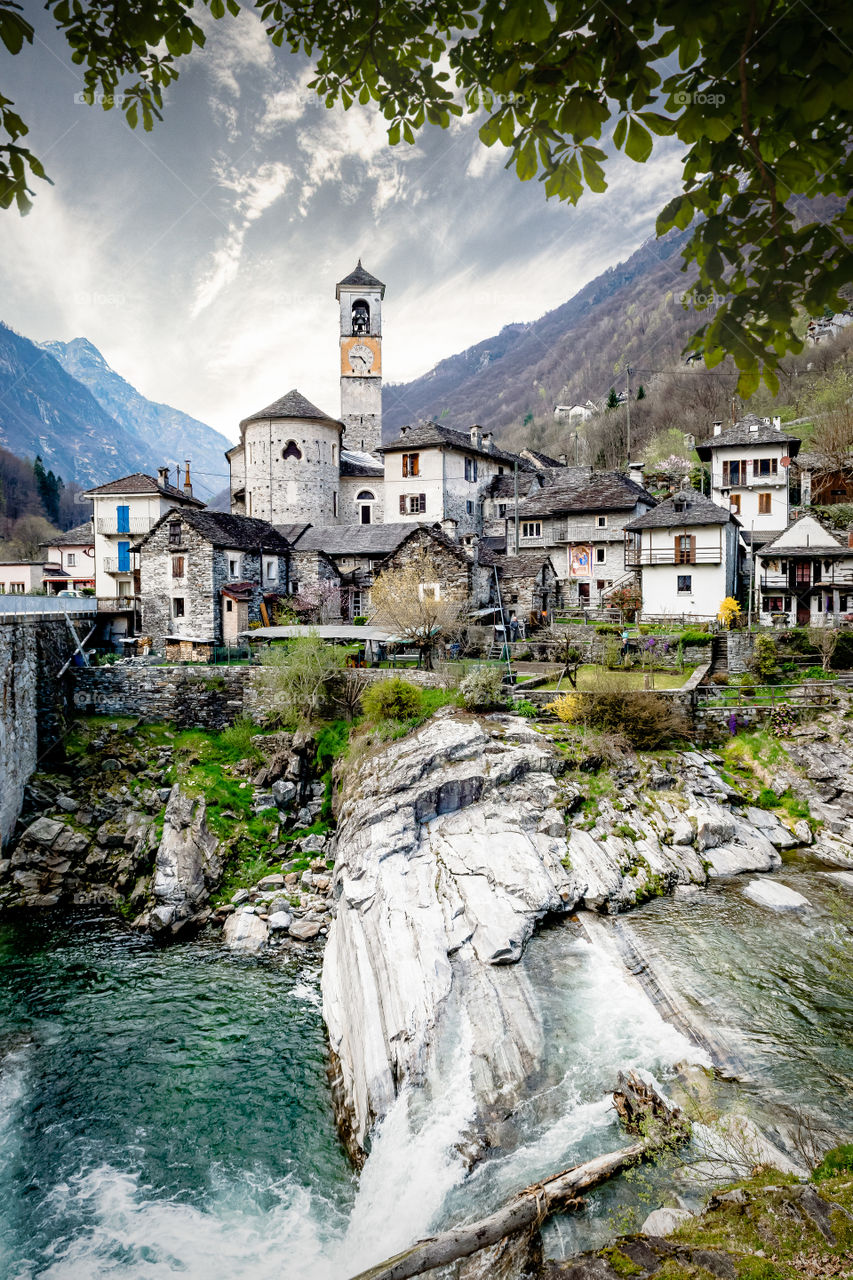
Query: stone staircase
x: 720, y: 653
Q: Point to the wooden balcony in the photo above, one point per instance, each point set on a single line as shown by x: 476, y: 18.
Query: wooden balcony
x: 639, y: 557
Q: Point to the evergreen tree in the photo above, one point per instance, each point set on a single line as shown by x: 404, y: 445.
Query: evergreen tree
x: 641, y: 392
x: 49, y: 487
x: 612, y: 399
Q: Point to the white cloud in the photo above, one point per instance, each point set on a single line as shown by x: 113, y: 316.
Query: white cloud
x: 235, y: 47
x: 254, y: 194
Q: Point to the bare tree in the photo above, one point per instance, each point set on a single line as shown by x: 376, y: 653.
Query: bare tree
x: 832, y: 441
x: 416, y: 605
x: 825, y: 640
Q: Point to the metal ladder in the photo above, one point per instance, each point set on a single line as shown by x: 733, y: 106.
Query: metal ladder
x: 499, y: 649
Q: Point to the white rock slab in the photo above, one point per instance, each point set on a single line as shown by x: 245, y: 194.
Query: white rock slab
x: 776, y: 896
x: 662, y: 1222
x: 245, y: 931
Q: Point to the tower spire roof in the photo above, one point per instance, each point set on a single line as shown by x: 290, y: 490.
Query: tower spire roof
x: 359, y: 279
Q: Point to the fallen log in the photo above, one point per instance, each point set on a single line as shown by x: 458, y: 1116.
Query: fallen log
x: 644, y: 1109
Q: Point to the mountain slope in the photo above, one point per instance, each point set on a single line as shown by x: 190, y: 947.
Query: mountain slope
x: 43, y: 409
x: 631, y: 310
x: 168, y: 435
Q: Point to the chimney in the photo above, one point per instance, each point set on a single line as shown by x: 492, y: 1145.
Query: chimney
x: 162, y: 476
x: 563, y: 460
x: 448, y: 528
x: 477, y: 437
x: 718, y: 427
x: 403, y: 431
x: 635, y: 471
x: 470, y: 543
x: 850, y: 538
x: 488, y: 441
x: 188, y: 488
x: 777, y: 423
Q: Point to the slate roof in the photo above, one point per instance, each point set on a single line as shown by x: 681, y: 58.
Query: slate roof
x: 360, y: 279
x: 580, y: 491
x: 356, y: 463
x: 240, y: 591
x: 82, y: 535
x: 541, y: 459
x: 221, y: 529
x: 699, y: 510
x: 742, y: 433
x: 354, y: 539
x: 292, y: 405
x: 141, y: 483
x: 525, y: 565
x: 832, y: 546
x: 433, y: 435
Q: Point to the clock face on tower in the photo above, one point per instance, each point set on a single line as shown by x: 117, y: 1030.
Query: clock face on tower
x: 360, y: 358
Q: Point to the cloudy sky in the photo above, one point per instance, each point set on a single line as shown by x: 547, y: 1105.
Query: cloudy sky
x: 201, y: 258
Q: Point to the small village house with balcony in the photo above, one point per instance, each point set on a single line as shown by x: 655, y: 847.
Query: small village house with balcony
x: 686, y: 550
x: 579, y: 519
x: 124, y: 511
x: 750, y: 468
x: 804, y: 577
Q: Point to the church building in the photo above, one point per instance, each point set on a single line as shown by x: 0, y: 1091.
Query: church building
x: 296, y: 465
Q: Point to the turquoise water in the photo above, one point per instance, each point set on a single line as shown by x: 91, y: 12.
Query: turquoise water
x: 150, y: 1098
x: 166, y: 1113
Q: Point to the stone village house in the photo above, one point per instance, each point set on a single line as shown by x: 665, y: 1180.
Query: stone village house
x: 687, y: 550
x: 204, y: 576
x: 804, y: 577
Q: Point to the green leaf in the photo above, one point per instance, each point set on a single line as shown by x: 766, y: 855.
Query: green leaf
x: 638, y: 144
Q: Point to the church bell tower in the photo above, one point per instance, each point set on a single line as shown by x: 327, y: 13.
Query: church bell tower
x: 360, y: 296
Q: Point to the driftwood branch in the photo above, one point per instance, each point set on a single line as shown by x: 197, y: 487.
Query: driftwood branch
x: 642, y: 1109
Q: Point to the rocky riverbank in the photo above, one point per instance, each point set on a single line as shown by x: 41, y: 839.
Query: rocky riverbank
x: 178, y: 832
x: 455, y: 843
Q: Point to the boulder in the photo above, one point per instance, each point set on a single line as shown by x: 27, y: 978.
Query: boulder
x: 662, y: 1222
x: 279, y: 920
x: 283, y: 793
x: 273, y: 881
x: 187, y: 866
x: 242, y: 895
x: 776, y: 896
x: 844, y: 878
x: 803, y: 831
x: 245, y: 931
x: 304, y: 930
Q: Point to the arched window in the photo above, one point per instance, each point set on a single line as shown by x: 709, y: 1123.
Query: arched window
x: 291, y: 450
x: 365, y: 501
x: 360, y: 316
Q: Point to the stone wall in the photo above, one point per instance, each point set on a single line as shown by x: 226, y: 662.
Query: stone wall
x: 741, y: 644
x: 202, y: 697
x: 33, y: 706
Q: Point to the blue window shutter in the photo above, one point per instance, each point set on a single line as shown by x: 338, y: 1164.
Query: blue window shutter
x: 124, y: 556
x: 122, y: 519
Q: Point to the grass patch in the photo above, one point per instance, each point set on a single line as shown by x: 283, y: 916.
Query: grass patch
x: 590, y: 675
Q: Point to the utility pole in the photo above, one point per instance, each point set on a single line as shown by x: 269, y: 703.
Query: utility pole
x: 628, y: 407
x: 751, y: 571
x: 515, y: 486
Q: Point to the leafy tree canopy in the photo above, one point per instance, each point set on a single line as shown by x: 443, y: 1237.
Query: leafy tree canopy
x: 758, y: 92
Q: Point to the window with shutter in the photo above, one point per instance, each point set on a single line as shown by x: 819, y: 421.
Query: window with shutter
x: 402, y: 504
x: 405, y: 465
x: 422, y: 502
x: 726, y: 474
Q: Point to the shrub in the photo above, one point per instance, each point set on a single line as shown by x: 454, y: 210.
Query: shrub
x: 838, y: 1160
x: 360, y: 620
x: 239, y: 742
x: 482, y: 689
x: 526, y: 708
x: 613, y: 655
x: 694, y: 636
x: 296, y: 678
x: 764, y: 661
x: 392, y: 700
x: 720, y: 677
x: 647, y: 720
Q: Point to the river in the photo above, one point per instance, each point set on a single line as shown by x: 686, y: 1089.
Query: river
x: 166, y: 1112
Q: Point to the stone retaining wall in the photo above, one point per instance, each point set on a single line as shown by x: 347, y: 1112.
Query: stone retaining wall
x: 741, y: 645
x: 190, y: 697
x: 33, y: 704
